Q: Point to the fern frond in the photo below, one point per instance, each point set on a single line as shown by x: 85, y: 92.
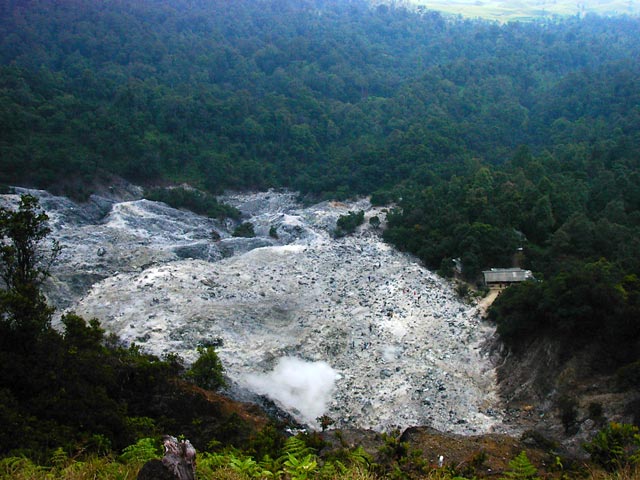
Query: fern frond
x: 520, y: 468
x: 360, y: 457
x: 142, y: 451
x: 297, y: 447
x: 10, y: 466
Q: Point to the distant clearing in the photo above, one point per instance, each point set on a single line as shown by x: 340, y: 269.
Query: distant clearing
x: 506, y: 11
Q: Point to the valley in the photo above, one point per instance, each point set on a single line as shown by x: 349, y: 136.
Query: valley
x: 347, y: 327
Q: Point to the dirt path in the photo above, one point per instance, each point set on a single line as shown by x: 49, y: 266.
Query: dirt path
x: 486, y: 302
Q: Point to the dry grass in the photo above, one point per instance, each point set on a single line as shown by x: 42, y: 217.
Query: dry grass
x: 16, y: 468
x: 622, y: 474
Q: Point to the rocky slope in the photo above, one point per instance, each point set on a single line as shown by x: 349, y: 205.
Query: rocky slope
x: 348, y: 327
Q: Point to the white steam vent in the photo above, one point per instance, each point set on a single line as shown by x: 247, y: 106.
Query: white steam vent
x: 304, y: 388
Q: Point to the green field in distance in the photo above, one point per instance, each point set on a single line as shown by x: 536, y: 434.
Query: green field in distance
x: 505, y: 11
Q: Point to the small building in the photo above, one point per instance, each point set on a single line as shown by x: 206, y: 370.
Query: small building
x: 503, y: 277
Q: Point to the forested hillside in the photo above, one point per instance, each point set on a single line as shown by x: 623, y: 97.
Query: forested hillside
x: 329, y: 97
x: 493, y: 136
x: 488, y: 138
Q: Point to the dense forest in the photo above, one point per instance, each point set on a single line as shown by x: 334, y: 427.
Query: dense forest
x: 485, y: 139
x: 330, y: 97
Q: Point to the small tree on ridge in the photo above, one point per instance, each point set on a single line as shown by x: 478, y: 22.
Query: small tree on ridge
x: 24, y: 265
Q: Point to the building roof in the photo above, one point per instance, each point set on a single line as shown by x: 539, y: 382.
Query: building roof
x: 506, y: 275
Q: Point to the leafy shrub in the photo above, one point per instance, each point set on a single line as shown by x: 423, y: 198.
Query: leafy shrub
x: 325, y: 421
x: 207, y: 370
x: 300, y: 468
x: 245, y: 229
x: 194, y: 200
x: 245, y: 465
x: 615, y: 446
x: 383, y: 197
x: 59, y: 458
x: 568, y: 413
x: 462, y: 289
x: 297, y: 447
x: 347, y: 224
x: 520, y: 468
x: 516, y: 313
x: 98, y: 444
x: 142, y: 451
x: 19, y: 467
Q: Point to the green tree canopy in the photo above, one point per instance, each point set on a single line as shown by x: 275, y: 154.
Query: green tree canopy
x: 25, y: 259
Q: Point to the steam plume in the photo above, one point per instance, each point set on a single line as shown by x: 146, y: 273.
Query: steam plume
x: 298, y: 386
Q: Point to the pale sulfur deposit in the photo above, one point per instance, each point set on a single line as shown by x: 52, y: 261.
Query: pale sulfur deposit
x: 348, y: 327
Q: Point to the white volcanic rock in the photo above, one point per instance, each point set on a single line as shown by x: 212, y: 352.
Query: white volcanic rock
x: 403, y: 349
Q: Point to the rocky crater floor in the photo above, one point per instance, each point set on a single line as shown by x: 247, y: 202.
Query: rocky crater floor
x: 347, y: 327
